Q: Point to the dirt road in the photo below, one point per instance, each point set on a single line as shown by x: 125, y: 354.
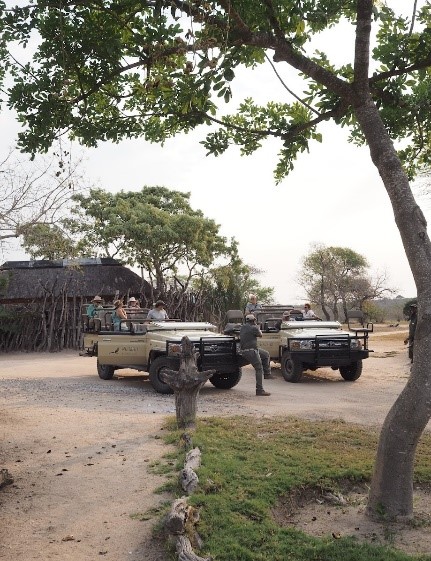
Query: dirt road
x: 80, y: 449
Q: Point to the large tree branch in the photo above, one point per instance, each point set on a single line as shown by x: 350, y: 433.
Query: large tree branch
x: 420, y: 65
x: 293, y: 131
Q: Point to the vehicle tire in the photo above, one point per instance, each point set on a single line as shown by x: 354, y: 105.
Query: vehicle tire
x: 351, y: 372
x: 105, y: 371
x: 290, y: 368
x: 226, y: 381
x: 157, y: 366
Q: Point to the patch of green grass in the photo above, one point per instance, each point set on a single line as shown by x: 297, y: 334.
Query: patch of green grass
x: 247, y: 466
x: 156, y: 511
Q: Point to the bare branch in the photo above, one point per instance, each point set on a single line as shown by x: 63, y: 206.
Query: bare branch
x: 288, y: 89
x: 415, y: 4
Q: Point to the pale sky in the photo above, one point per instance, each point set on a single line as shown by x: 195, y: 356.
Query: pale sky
x: 334, y: 196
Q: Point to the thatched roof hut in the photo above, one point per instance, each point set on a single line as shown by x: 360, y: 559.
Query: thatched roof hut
x: 30, y: 281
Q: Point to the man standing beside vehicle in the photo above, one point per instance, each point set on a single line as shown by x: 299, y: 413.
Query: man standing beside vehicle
x: 258, y: 358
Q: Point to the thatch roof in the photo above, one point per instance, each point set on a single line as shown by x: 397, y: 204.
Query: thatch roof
x: 33, y: 280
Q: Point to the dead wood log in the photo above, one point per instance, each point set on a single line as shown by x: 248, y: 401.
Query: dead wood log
x: 185, y: 550
x: 176, y: 518
x: 181, y: 524
x: 193, y: 459
x: 189, y: 480
x: 186, y: 384
x: 188, y: 477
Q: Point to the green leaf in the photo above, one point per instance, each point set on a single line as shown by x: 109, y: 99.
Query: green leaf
x: 229, y: 74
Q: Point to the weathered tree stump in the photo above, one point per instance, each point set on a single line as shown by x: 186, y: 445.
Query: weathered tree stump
x: 186, y: 384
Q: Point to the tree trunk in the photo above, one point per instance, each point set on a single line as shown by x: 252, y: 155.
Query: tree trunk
x: 186, y: 384
x: 392, y: 484
x: 322, y: 300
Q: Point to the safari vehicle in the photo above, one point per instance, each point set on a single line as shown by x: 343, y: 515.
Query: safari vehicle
x: 155, y: 346
x: 300, y: 345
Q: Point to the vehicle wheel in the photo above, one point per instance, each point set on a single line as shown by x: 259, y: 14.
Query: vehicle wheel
x: 225, y: 381
x: 351, y: 372
x: 290, y: 368
x: 105, y: 371
x: 157, y: 366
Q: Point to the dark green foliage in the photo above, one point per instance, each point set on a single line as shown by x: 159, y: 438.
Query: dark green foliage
x: 117, y: 69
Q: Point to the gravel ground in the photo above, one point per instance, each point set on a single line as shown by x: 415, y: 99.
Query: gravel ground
x: 80, y: 448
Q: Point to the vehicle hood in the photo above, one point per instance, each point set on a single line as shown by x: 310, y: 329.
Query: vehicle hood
x: 177, y: 330
x: 304, y: 329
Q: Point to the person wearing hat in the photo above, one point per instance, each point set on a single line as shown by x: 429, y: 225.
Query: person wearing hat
x: 96, y: 304
x: 258, y: 358
x: 133, y: 303
x: 412, y: 329
x: 158, y: 313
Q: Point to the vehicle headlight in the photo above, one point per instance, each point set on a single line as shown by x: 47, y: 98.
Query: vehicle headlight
x: 355, y: 344
x: 301, y: 344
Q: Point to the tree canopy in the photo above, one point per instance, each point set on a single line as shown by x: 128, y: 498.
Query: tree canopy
x: 110, y: 69
x: 36, y: 193
x: 154, y: 228
x: 179, y: 249
x: 333, y: 276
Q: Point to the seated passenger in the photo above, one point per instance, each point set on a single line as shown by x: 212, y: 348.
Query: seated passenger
x: 96, y: 304
x: 307, y: 313
x: 158, y: 313
x: 252, y: 305
x: 285, y: 317
x: 133, y: 303
x: 118, y: 315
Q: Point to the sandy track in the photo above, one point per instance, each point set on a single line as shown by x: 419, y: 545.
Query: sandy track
x: 80, y: 448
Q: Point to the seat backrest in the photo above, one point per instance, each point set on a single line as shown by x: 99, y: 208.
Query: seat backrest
x: 234, y: 316
x: 139, y: 328
x: 271, y: 325
x: 296, y: 315
x: 355, y: 318
x: 107, y: 321
x: 135, y: 314
x: 84, y: 322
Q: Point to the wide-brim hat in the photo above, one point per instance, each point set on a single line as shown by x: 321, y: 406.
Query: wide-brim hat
x: 132, y: 299
x: 97, y: 299
x: 159, y: 303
